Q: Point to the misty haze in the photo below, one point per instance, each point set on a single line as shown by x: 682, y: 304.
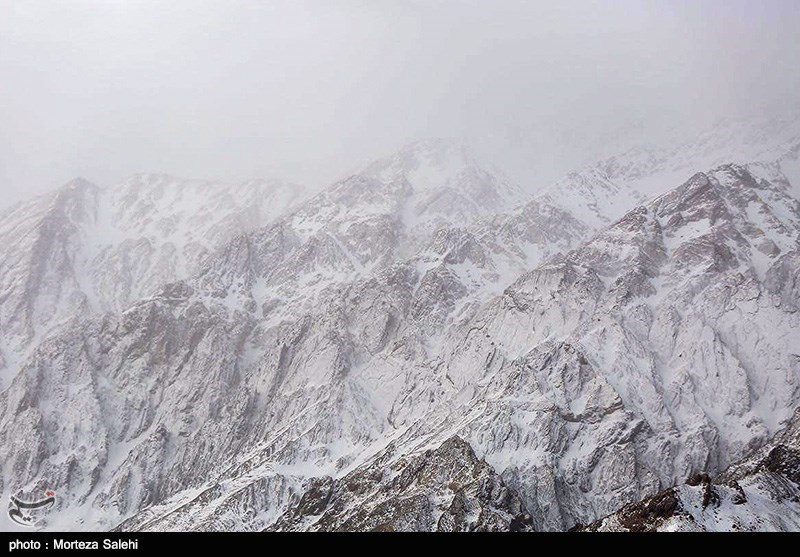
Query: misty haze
x: 400, y: 265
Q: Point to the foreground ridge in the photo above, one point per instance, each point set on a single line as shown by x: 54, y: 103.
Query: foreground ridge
x: 759, y: 493
x: 446, y: 489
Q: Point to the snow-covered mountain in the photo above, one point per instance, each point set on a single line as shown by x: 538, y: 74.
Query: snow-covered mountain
x: 86, y: 250
x: 418, y: 346
x: 604, y: 191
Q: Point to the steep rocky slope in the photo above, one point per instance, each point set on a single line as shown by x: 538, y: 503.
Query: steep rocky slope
x: 583, y: 368
x: 257, y: 297
x: 446, y: 489
x: 598, y: 378
x: 759, y: 493
x: 88, y: 250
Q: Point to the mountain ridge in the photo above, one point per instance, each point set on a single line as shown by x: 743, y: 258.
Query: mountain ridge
x: 587, y: 367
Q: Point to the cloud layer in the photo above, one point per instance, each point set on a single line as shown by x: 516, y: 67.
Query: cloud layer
x: 309, y: 90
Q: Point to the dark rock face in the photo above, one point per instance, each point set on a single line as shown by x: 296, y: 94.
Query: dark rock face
x: 653, y: 511
x: 447, y: 489
x: 785, y: 461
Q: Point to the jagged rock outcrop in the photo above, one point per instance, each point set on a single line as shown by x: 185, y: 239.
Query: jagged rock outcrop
x: 759, y: 493
x: 446, y: 489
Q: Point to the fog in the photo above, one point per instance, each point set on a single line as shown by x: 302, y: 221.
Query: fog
x: 310, y: 90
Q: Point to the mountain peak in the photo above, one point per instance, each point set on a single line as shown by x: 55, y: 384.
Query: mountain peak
x: 435, y: 165
x: 78, y: 182
x: 428, y: 160
x: 75, y: 197
x: 78, y: 185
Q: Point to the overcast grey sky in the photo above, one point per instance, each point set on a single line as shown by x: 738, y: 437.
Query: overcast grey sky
x: 308, y: 90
